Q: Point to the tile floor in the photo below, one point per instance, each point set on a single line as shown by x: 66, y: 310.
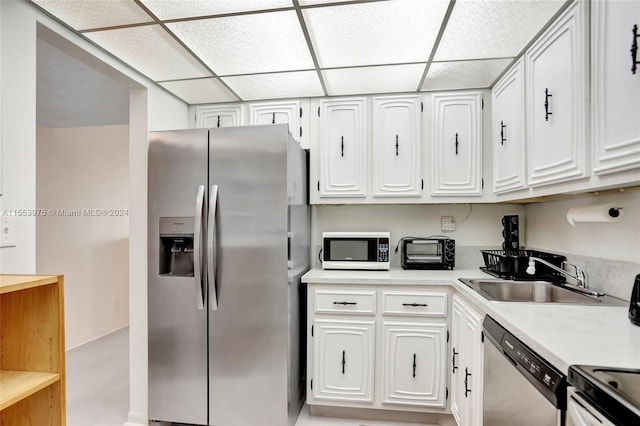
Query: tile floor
x: 98, y: 387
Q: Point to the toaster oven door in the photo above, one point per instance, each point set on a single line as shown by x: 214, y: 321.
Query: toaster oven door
x: 423, y: 252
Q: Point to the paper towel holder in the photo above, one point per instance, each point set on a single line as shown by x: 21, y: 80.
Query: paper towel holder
x: 596, y: 213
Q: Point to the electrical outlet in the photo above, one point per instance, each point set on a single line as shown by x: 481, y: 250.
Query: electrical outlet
x: 448, y: 224
x: 8, y: 231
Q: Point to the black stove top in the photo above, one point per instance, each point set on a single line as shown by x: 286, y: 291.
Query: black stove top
x: 614, y: 391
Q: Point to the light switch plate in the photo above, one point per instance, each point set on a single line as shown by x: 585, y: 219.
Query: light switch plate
x: 8, y: 231
x: 448, y: 224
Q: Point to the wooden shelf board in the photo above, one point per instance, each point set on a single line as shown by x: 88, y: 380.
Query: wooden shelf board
x: 18, y: 385
x: 9, y: 283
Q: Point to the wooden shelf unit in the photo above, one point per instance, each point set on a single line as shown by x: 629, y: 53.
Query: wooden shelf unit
x: 32, y: 355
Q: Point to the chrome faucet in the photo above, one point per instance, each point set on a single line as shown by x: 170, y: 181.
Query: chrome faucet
x: 580, y: 275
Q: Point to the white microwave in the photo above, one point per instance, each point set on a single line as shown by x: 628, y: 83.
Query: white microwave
x: 355, y: 250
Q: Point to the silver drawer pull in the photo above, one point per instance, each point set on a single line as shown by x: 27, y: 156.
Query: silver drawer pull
x: 415, y: 305
x: 345, y: 303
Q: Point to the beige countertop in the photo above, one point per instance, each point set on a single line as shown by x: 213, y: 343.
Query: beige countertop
x: 563, y: 334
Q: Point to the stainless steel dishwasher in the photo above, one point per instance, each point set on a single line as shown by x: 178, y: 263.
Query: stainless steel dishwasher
x: 520, y: 387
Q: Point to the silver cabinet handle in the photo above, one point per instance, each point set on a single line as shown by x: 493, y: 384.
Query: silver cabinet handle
x: 197, y: 252
x: 212, y: 264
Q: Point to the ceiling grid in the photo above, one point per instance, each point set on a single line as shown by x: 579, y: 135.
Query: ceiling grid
x: 207, y: 51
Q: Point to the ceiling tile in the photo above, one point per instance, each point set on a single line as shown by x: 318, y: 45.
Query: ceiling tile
x: 277, y: 85
x: 245, y: 44
x: 311, y: 2
x: 381, y: 79
x: 377, y: 33
x: 464, y: 74
x: 150, y: 50
x: 173, y: 9
x: 200, y: 91
x: 86, y: 14
x: 493, y: 28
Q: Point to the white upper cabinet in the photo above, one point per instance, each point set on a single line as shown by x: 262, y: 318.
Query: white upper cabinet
x: 396, y: 146
x: 556, y: 100
x: 293, y: 112
x: 208, y: 116
x: 456, y: 138
x: 343, y: 148
x: 508, y: 143
x: 615, y: 88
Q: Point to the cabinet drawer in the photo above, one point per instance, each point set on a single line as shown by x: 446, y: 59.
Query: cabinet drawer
x: 429, y: 304
x: 345, y: 302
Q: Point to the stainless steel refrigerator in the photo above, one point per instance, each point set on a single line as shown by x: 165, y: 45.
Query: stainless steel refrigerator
x: 228, y: 243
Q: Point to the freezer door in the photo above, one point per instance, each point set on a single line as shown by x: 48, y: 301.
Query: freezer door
x: 249, y: 327
x: 176, y: 288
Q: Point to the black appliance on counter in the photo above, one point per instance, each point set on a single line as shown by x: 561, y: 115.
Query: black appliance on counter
x: 428, y: 253
x: 612, y: 392
x: 634, y: 306
x: 511, y: 232
x: 512, y: 265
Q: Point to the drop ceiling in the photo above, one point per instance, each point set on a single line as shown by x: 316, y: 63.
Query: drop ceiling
x: 211, y: 51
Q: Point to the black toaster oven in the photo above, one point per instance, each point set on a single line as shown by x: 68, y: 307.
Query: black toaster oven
x: 428, y: 253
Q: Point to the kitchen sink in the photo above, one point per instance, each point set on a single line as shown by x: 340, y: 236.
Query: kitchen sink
x: 528, y: 291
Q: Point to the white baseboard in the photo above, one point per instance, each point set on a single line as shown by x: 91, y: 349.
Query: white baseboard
x: 136, y: 419
x: 93, y: 338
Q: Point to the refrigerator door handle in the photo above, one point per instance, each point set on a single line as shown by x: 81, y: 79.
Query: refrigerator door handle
x: 197, y: 250
x: 212, y: 248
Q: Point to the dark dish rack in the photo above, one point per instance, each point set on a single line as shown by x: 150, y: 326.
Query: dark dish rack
x: 512, y: 264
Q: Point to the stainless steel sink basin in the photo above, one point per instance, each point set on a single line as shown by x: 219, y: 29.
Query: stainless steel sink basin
x: 527, y: 291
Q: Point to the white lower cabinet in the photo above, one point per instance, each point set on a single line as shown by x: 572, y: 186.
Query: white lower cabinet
x: 466, y: 364
x: 582, y: 413
x: 343, y: 354
x: 377, y: 347
x: 414, y: 363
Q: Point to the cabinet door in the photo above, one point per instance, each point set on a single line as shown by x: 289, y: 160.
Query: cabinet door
x: 508, y: 131
x: 615, y: 89
x: 208, y: 116
x: 290, y: 112
x: 556, y: 93
x: 343, y: 150
x: 473, y: 366
x: 343, y: 360
x: 457, y: 375
x: 467, y: 364
x: 456, y: 144
x: 414, y: 365
x: 396, y: 146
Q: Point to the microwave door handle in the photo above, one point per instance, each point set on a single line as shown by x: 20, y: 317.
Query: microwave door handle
x: 212, y: 247
x: 197, y: 250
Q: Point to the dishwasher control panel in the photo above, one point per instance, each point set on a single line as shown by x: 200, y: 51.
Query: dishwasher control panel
x: 538, y: 368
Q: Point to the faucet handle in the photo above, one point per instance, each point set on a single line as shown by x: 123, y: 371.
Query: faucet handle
x: 580, y: 275
x: 583, y: 278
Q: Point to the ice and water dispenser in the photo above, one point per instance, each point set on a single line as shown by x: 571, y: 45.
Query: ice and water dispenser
x: 176, y: 246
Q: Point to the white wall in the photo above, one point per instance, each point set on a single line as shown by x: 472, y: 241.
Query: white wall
x: 18, y: 50
x: 482, y: 227
x: 77, y: 169
x: 547, y: 228
x: 18, y: 33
